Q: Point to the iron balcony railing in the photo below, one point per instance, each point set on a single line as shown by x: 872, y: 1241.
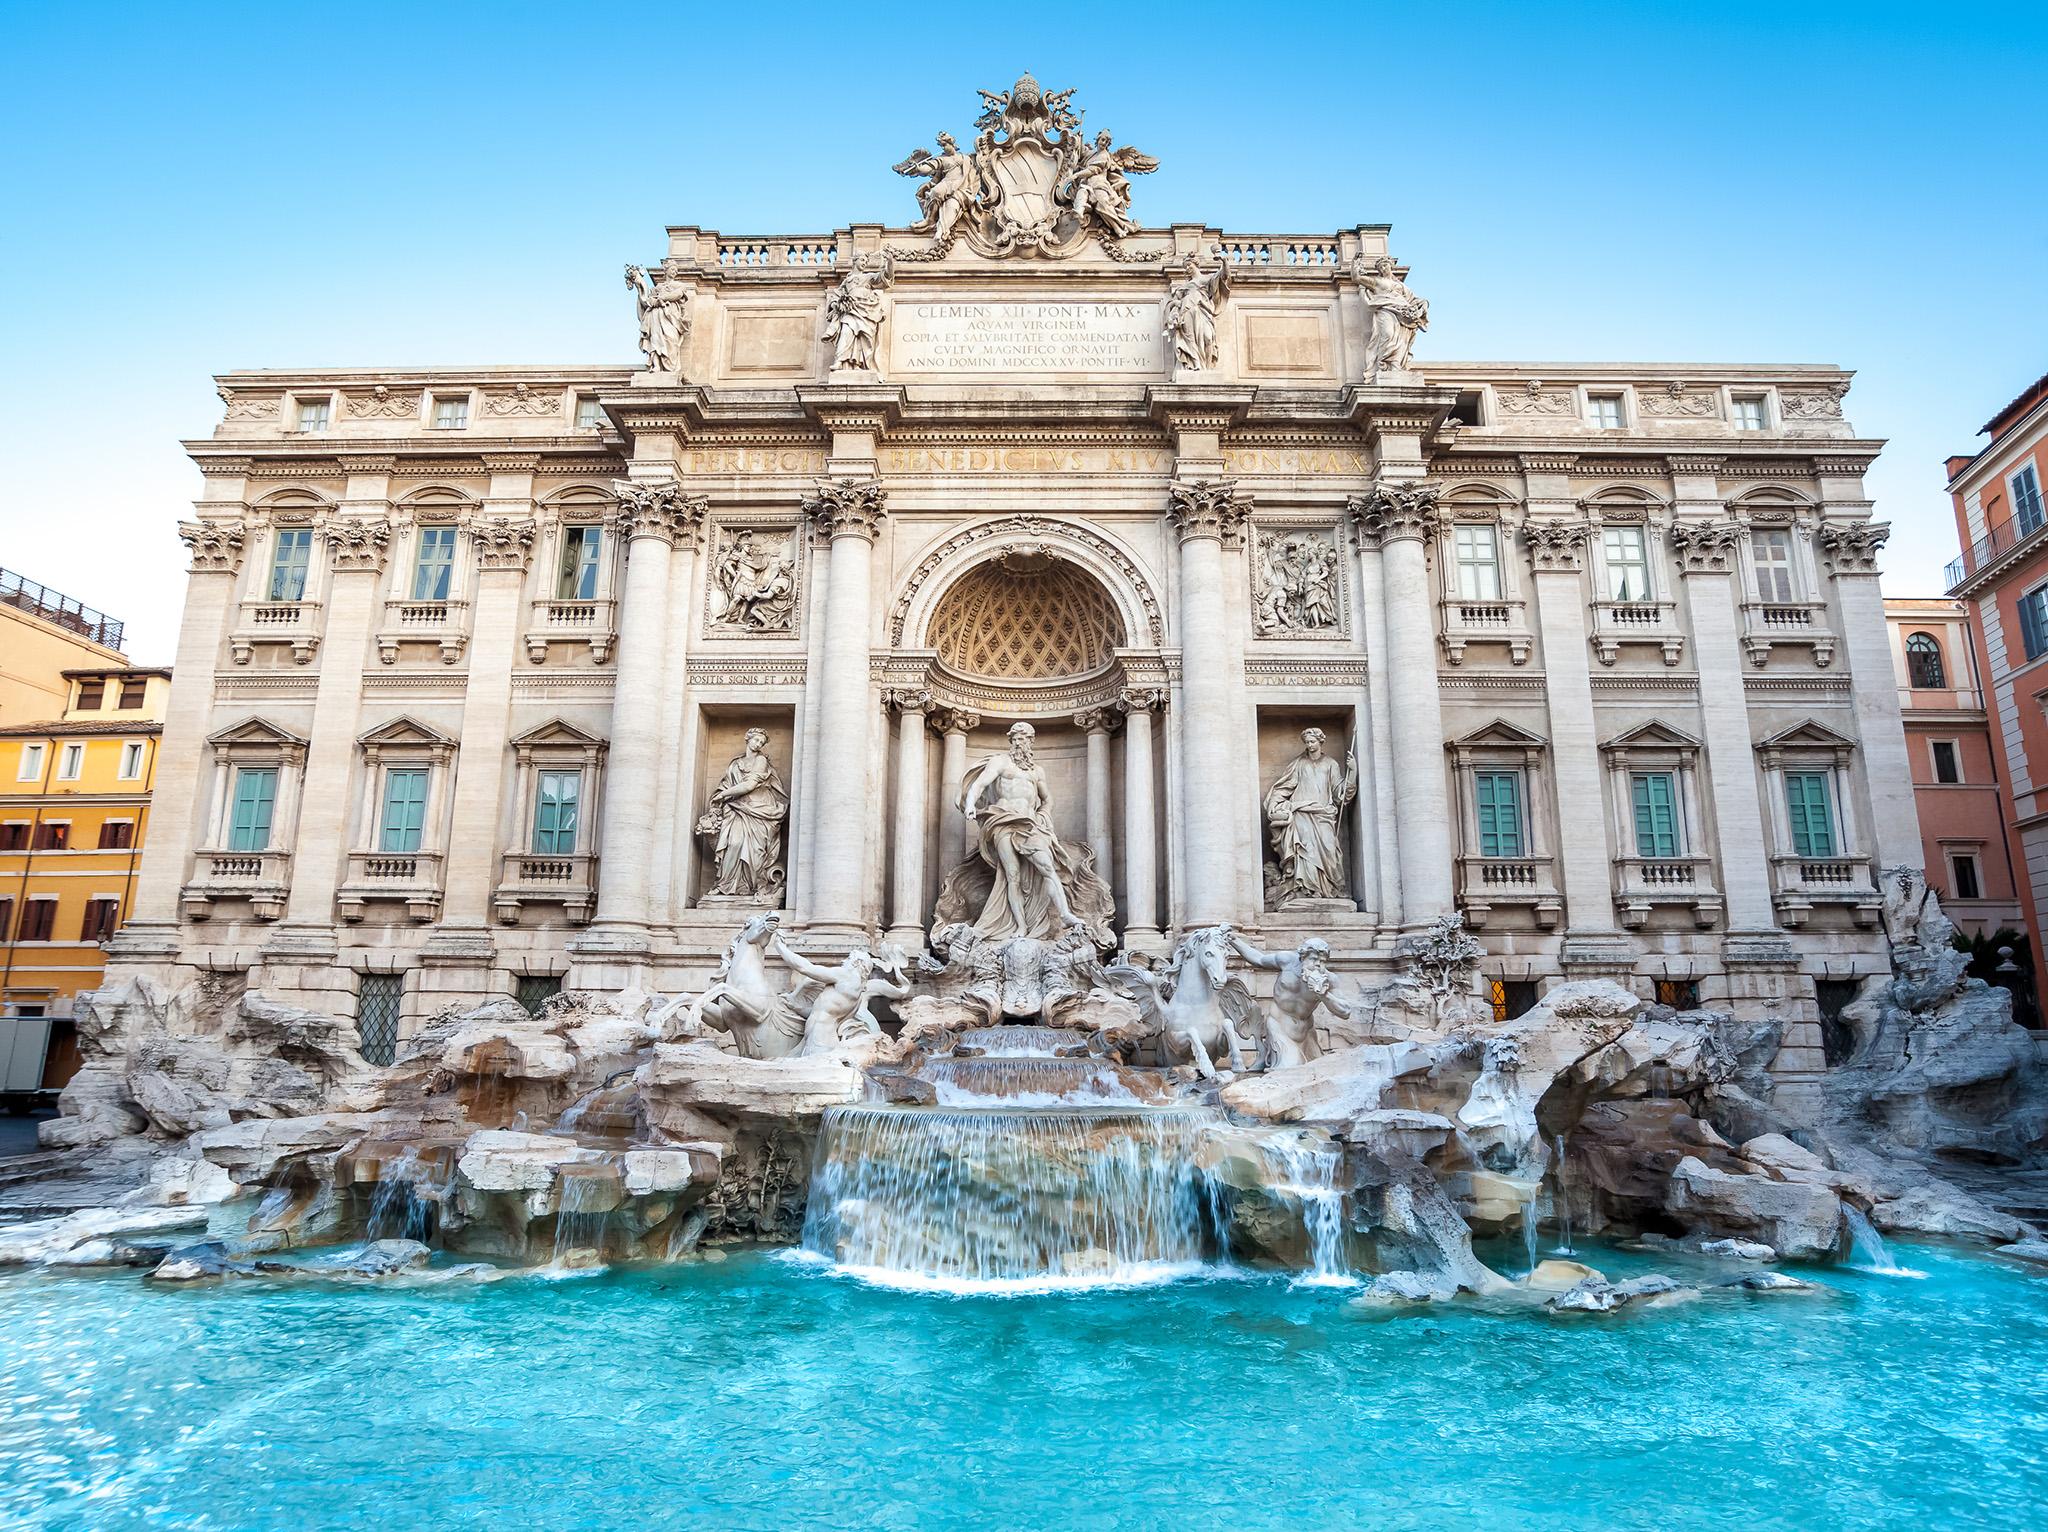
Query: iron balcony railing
x: 54, y: 606
x: 1996, y: 543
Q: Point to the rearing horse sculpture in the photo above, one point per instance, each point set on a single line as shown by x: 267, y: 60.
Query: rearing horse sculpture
x: 1195, y: 1003
x: 744, y: 1001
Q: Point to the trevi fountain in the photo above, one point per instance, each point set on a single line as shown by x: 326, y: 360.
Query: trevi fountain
x: 1343, y: 1114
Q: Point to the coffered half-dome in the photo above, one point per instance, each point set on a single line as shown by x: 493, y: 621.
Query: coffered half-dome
x: 1026, y: 616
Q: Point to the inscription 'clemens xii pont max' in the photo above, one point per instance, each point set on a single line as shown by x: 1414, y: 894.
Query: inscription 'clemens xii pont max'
x: 1027, y: 337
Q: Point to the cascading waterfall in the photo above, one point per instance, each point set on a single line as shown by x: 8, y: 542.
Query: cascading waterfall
x: 410, y: 1192
x: 586, y: 1203
x: 1561, y: 1199
x: 1309, y: 1178
x: 1867, y: 1249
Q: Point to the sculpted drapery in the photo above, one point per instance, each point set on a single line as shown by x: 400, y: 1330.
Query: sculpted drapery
x: 744, y: 819
x: 1303, y: 810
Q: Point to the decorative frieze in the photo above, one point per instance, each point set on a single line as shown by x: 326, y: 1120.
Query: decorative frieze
x: 1535, y: 400
x: 752, y: 582
x: 848, y: 508
x: 1677, y: 402
x: 1207, y: 508
x: 249, y: 406
x: 383, y: 403
x: 520, y: 399
x: 1297, y: 584
x: 215, y: 546
x: 1823, y: 404
x: 1332, y: 672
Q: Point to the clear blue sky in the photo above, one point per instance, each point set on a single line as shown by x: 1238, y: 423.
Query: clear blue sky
x: 188, y: 189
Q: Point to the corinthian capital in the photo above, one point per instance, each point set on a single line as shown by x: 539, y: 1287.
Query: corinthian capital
x: 843, y: 508
x: 215, y: 545
x: 1141, y: 699
x: 501, y: 542
x: 907, y: 699
x: 358, y: 543
x: 1395, y: 509
x: 1557, y: 545
x: 1210, y: 508
x: 657, y: 508
x: 1850, y: 548
x: 1706, y: 547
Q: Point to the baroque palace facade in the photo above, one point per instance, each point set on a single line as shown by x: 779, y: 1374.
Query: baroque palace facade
x: 492, y: 680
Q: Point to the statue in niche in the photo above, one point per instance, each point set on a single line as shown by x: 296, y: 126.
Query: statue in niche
x: 743, y: 819
x: 1024, y: 879
x: 839, y: 1012
x: 854, y: 313
x: 1190, y: 314
x: 664, y: 305
x: 756, y: 576
x: 1303, y: 810
x: 1304, y: 985
x: 1295, y: 588
x: 1395, y: 316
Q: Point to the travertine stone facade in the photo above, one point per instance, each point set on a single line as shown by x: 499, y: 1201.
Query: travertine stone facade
x: 1604, y: 642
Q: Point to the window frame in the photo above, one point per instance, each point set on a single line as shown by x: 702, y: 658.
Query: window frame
x: 298, y: 541
x: 1594, y: 401
x: 581, y: 534
x: 1816, y: 792
x: 1516, y: 780
x: 1789, y: 566
x: 234, y: 826
x: 122, y: 832
x: 541, y: 806
x: 1608, y: 564
x: 133, y: 696
x: 1955, y: 762
x: 437, y: 535
x: 456, y: 405
x: 71, y: 760
x: 304, y: 421
x: 38, y: 919
x: 1491, y: 564
x: 2033, y: 621
x: 1975, y: 863
x: 90, y: 930
x: 134, y: 752
x: 1923, y: 645
x: 1639, y: 779
x: 30, y: 767
x: 92, y: 695
x: 416, y: 807
x: 1736, y: 403
x: 2028, y: 509
x: 51, y: 835
x: 589, y: 403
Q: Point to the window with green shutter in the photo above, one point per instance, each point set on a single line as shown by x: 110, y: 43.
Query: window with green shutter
x: 554, y: 812
x: 405, y: 808
x: 1498, y: 795
x: 1656, y: 813
x: 1813, y: 817
x: 255, y: 800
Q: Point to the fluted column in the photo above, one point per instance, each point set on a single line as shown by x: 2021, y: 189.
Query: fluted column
x: 955, y: 829
x: 652, y: 517
x: 850, y: 515
x: 1849, y: 551
x: 906, y: 919
x: 1097, y: 723
x: 1141, y: 829
x: 1401, y: 516
x: 1206, y: 514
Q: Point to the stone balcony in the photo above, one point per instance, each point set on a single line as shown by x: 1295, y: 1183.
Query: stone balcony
x: 1799, y: 883
x: 292, y: 623
x: 1466, y: 622
x: 411, y: 878
x: 1767, y: 625
x: 1653, y: 624
x: 1487, y: 883
x: 442, y: 623
x: 557, y: 621
x: 534, y: 877
x: 1643, y: 883
x: 263, y: 878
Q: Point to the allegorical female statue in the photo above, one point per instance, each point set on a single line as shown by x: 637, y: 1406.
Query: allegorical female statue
x: 1190, y: 314
x: 853, y: 313
x: 1395, y: 317
x: 743, y: 819
x: 1303, y: 809
x: 664, y: 305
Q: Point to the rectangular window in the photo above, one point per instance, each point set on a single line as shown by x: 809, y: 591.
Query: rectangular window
x: 1604, y: 411
x: 117, y: 835
x: 2026, y: 499
x: 289, y: 560
x: 1771, y: 551
x: 133, y: 690
x: 2034, y: 622
x: 1656, y: 813
x: 131, y: 760
x: 1679, y: 994
x: 1962, y: 876
x: 451, y: 414
x: 379, y: 997
x: 1748, y: 411
x: 435, y: 566
x: 255, y: 799
x: 90, y: 695
x: 405, y: 808
x: 1811, y: 812
x: 589, y: 413
x: 1946, y: 767
x: 53, y: 835
x: 535, y: 990
x: 38, y: 920
x: 31, y: 768
x: 1627, y: 556
x: 555, y: 810
x: 14, y: 835
x: 102, y: 917
x: 6, y: 918
x: 1478, y: 559
x: 71, y: 763
x: 578, y: 578
x: 1498, y: 797
x: 312, y: 414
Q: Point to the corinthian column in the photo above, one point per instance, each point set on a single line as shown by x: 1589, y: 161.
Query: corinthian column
x: 906, y: 923
x: 850, y: 516
x: 955, y: 838
x: 1401, y: 517
x: 1097, y: 723
x: 1206, y: 514
x: 1141, y: 829
x: 652, y: 518
x: 1849, y: 551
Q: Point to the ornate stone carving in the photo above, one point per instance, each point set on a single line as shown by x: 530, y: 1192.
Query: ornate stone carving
x: 852, y: 508
x: 1534, y: 399
x: 1044, y: 621
x: 522, y: 400
x: 1303, y: 810
x: 1706, y: 547
x: 501, y: 542
x: 1098, y: 720
x: 854, y: 312
x: 358, y: 543
x: 1851, y: 548
x: 215, y: 546
x: 1041, y: 536
x: 1295, y: 588
x: 753, y: 581
x: 907, y: 699
x: 1189, y: 314
x: 1032, y: 185
x: 663, y: 304
x: 1394, y: 315
x: 1397, y: 509
x: 1824, y: 405
x: 1302, y: 985
x: 1210, y: 508
x: 656, y: 508
x: 951, y: 720
x: 383, y: 403
x: 1142, y: 699
x: 244, y: 407
x: 743, y: 821
x: 1676, y: 401
x: 1557, y: 545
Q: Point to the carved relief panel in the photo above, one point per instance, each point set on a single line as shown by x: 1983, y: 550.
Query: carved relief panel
x: 1298, y: 582
x: 753, y: 579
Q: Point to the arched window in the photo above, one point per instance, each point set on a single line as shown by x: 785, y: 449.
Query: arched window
x: 1924, y: 670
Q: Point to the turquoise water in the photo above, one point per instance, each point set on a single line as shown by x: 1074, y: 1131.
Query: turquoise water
x: 761, y: 1393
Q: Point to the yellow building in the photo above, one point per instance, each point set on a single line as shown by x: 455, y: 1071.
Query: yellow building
x: 44, y: 633
x: 74, y: 811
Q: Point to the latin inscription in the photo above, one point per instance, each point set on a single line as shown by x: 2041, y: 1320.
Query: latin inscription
x: 1252, y: 461
x: 1027, y: 337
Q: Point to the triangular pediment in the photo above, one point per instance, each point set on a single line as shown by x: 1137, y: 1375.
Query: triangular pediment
x: 255, y: 731
x: 404, y: 731
x: 1808, y: 735
x: 1502, y: 733
x: 556, y: 731
x: 1654, y: 735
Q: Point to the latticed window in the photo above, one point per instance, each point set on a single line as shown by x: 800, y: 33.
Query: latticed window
x: 1679, y: 994
x: 1923, y: 661
x: 290, y: 559
x: 378, y: 997
x: 1026, y: 623
x: 1771, y: 552
x: 435, y: 564
x: 536, y: 990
